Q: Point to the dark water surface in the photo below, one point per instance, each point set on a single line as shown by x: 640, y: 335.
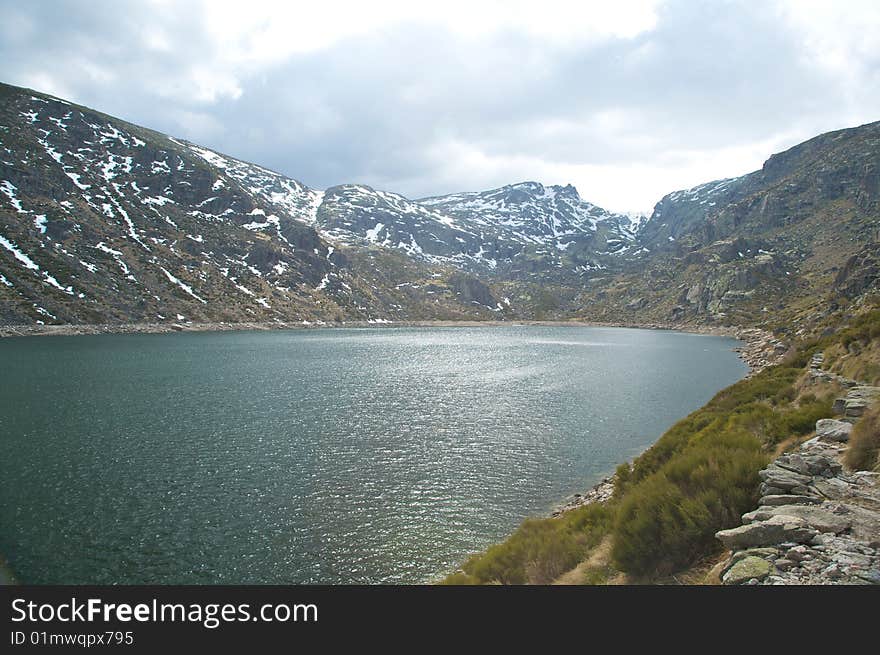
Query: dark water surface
x: 319, y: 456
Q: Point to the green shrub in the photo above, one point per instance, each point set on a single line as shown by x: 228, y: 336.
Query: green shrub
x: 670, y: 518
x: 622, y: 479
x: 864, y: 443
x: 802, y: 420
x: 540, y: 550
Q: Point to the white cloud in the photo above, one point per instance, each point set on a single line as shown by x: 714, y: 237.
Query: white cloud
x: 628, y: 100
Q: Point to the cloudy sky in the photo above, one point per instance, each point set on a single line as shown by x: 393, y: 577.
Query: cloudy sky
x: 627, y: 100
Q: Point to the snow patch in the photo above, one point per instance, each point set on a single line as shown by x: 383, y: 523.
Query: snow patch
x: 79, y: 185
x: 26, y: 261
x: 8, y: 189
x: 184, y: 286
x: 373, y: 234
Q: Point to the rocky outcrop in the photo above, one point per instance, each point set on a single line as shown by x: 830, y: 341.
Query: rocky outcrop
x: 833, y: 430
x: 816, y: 523
x: 858, y: 399
x: 470, y: 289
x: 818, y: 374
x: 599, y: 493
x: 761, y: 348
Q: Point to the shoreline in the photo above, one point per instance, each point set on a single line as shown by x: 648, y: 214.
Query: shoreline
x: 760, y: 350
x: 73, y: 329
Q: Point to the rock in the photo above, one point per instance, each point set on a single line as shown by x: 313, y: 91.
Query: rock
x: 829, y: 428
x: 747, y: 569
x: 774, y: 530
x: 858, y: 399
x: 788, y: 499
x: 794, y: 463
x: 798, y: 554
x: 784, y: 564
x: 814, y: 517
x: 764, y: 553
x: 839, y: 405
x: 873, y: 577
x: 775, y: 476
x: 833, y: 488
x: 820, y: 463
x: 638, y: 303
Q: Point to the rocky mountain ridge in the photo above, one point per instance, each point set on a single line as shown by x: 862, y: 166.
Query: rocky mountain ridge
x: 779, y: 246
x: 103, y: 221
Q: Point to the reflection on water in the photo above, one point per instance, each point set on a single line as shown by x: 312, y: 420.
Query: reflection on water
x: 332, y: 456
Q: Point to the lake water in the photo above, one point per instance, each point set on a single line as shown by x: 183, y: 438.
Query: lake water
x: 319, y: 456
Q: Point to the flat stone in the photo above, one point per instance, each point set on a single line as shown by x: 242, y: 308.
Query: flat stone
x: 872, y: 577
x: 784, y: 564
x: 747, y: 569
x: 781, y: 478
x: 794, y: 463
x: 858, y: 399
x: 774, y: 530
x: 852, y: 559
x: 814, y: 517
x: 789, y: 499
x: 833, y: 488
x: 829, y: 428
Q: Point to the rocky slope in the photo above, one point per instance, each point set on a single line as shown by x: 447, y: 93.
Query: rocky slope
x: 529, y: 230
x: 103, y: 221
x: 817, y: 523
x: 783, y: 242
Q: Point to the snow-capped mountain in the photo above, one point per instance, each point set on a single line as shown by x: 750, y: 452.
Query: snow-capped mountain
x: 360, y: 215
x: 529, y: 219
x: 104, y: 221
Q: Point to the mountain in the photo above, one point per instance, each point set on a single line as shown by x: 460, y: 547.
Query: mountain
x: 799, y: 236
x: 103, y: 221
x: 529, y: 229
x: 521, y: 231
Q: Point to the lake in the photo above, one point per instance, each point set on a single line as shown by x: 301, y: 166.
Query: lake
x: 330, y: 456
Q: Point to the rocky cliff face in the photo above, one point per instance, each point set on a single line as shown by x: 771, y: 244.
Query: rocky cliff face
x: 756, y: 249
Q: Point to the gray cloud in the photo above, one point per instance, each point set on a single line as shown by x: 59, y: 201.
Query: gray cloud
x: 420, y: 109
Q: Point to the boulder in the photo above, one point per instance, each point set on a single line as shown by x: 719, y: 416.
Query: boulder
x: 775, y: 530
x: 746, y: 569
x: 839, y: 405
x: 829, y: 428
